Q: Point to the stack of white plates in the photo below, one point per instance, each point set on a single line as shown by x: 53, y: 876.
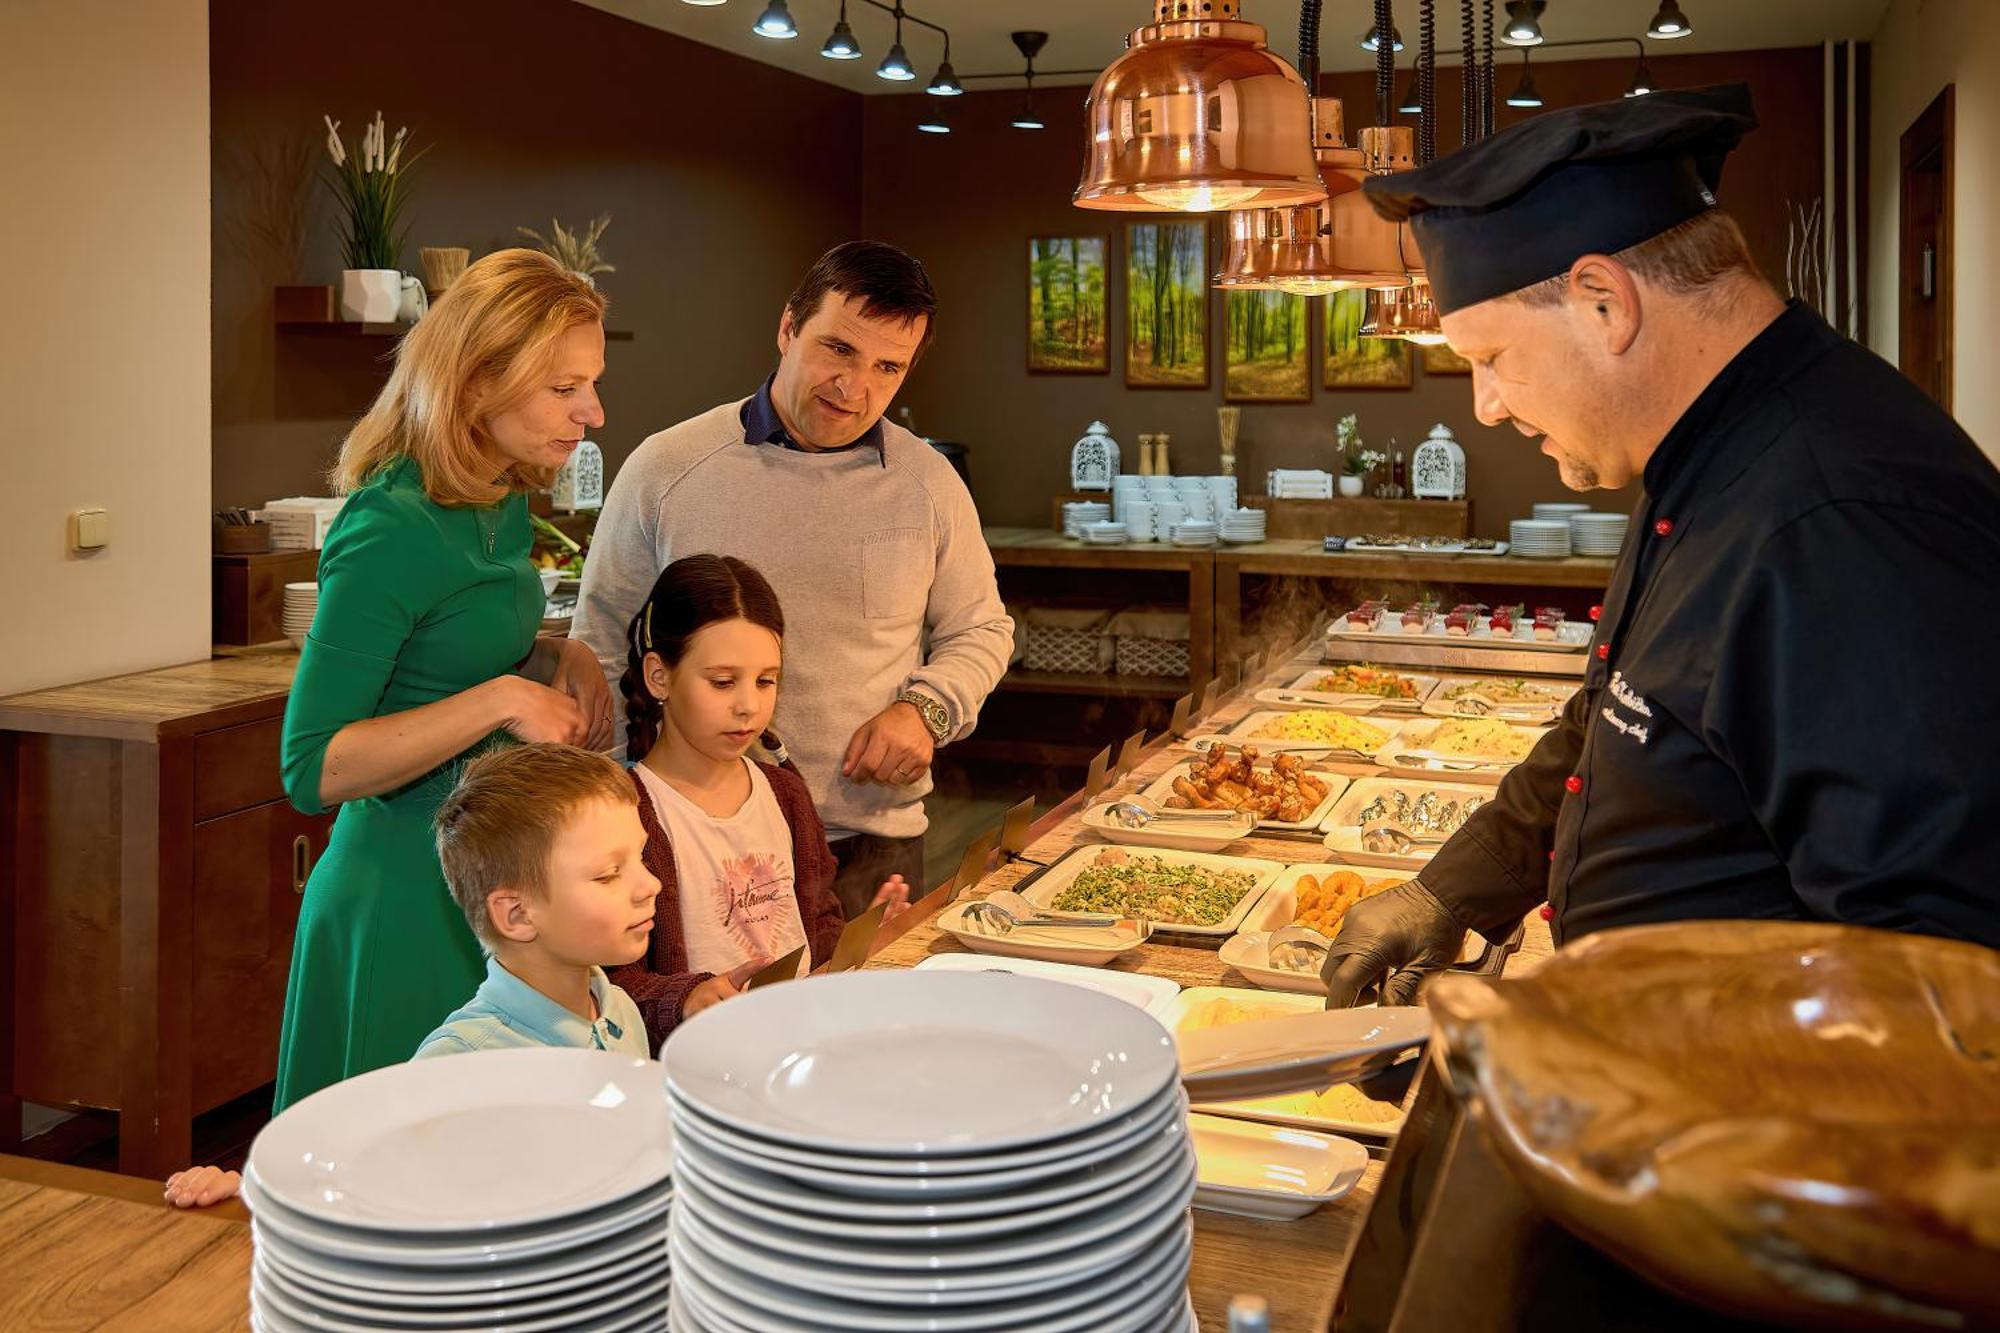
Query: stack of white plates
x: 929, y: 1151
x: 1538, y: 537
x: 1079, y: 512
x: 1560, y: 509
x: 1243, y: 525
x: 526, y: 1189
x: 301, y: 600
x: 1104, y: 534
x: 1299, y: 484
x: 1196, y: 532
x: 1597, y: 534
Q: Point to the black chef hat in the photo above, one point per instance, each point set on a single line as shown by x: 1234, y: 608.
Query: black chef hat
x: 1511, y: 210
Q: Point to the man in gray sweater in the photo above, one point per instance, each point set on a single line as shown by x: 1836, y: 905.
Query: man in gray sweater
x: 894, y: 629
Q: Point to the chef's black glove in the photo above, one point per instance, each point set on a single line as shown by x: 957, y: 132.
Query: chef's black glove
x: 1405, y: 932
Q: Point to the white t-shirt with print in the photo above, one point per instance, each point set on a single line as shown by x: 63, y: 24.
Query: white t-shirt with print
x: 738, y: 901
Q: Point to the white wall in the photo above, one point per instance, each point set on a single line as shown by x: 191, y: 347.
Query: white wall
x: 1921, y: 46
x: 104, y: 348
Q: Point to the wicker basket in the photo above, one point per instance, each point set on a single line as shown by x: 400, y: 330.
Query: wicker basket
x: 1065, y: 640
x: 1150, y: 643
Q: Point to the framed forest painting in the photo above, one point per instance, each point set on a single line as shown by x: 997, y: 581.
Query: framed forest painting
x: 1439, y: 359
x: 1068, y: 284
x: 1354, y: 362
x: 1166, y: 305
x: 1266, y: 348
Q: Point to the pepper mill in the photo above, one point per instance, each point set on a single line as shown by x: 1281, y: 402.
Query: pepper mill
x: 1160, y: 463
x: 1145, y: 455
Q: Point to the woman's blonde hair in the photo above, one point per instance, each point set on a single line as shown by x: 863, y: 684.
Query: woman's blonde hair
x: 481, y: 349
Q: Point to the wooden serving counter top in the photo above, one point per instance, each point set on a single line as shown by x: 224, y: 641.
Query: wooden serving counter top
x: 149, y: 705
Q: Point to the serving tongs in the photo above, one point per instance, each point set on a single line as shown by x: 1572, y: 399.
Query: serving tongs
x: 1478, y: 705
x: 1006, y: 912
x: 1305, y: 1052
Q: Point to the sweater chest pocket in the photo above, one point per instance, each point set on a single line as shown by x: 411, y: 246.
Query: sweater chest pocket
x: 896, y: 568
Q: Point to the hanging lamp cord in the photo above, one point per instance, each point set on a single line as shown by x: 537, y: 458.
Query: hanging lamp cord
x: 1486, y: 72
x: 1385, y: 61
x: 1427, y: 81
x: 1309, y: 45
x: 1468, y: 71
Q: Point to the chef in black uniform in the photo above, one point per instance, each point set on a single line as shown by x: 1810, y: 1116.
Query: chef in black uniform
x: 1791, y: 709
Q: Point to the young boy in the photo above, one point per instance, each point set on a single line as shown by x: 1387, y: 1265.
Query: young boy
x: 543, y: 849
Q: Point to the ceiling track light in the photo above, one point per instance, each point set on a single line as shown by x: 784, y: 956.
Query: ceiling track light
x: 841, y: 43
x: 1413, y: 99
x: 934, y: 122
x: 1524, y: 94
x: 1524, y: 22
x: 1669, y: 23
x: 775, y: 22
x: 1371, y: 42
x: 945, y: 82
x: 1642, y: 80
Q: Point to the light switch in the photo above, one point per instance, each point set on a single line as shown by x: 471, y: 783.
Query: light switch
x: 89, y: 529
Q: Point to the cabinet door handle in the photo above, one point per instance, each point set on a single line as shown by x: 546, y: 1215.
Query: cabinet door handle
x: 301, y: 862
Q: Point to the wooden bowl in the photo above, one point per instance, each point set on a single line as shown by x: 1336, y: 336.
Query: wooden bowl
x: 1780, y: 1120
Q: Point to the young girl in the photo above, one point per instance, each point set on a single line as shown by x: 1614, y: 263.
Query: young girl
x: 745, y: 872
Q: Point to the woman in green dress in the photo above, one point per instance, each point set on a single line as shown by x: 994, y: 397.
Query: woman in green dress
x: 424, y: 651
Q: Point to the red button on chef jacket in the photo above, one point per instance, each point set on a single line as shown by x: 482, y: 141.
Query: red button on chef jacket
x: 1573, y: 784
x: 1664, y: 526
x: 1603, y: 652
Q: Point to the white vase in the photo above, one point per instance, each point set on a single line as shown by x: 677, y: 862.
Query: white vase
x: 370, y: 295
x: 1351, y: 485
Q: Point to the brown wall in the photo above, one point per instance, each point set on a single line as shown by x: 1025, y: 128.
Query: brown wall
x: 724, y: 179
x: 967, y: 202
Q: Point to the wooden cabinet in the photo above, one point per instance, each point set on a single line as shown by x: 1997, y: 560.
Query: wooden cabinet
x: 150, y: 878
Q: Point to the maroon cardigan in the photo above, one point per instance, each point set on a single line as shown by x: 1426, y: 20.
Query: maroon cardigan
x: 659, y: 983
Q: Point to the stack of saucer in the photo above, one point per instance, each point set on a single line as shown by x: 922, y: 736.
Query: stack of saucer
x: 1079, y: 512
x: 1597, y: 534
x: 1243, y: 525
x: 1560, y: 509
x: 518, y: 1189
x: 1138, y: 520
x: 928, y: 1150
x: 301, y: 600
x: 1538, y: 538
x: 1104, y: 534
x: 1196, y: 532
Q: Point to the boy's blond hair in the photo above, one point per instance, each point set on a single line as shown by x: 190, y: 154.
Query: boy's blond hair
x: 499, y: 825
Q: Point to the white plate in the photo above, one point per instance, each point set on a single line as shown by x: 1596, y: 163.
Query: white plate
x: 919, y: 1063
x: 1343, y: 833
x: 1089, y: 947
x: 1305, y: 1050
x: 1249, y: 952
x: 802, y: 1196
x: 316, y: 1237
x: 1243, y: 733
x: 919, y: 1262
x: 1162, y: 789
x: 647, y: 1297
x: 1413, y: 744
x: 1289, y: 1110
x: 410, y: 1148
x: 1043, y: 891
x: 1557, y: 691
x: 1276, y: 1174
x: 832, y: 1180
x: 713, y: 1287
x: 780, y: 1206
x: 1301, y: 694
x: 387, y: 1307
x: 1180, y: 835
x: 1135, y: 988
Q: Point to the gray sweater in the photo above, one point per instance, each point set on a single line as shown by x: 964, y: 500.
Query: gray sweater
x: 885, y: 581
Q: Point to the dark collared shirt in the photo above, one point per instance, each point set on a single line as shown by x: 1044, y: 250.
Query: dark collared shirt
x: 761, y: 425
x: 1788, y: 711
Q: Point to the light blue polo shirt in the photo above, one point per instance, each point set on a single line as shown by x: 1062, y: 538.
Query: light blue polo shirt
x: 506, y: 1013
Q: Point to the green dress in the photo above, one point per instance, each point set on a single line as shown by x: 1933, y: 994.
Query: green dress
x: 417, y: 602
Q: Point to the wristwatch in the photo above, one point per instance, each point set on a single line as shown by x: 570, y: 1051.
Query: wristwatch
x: 936, y: 720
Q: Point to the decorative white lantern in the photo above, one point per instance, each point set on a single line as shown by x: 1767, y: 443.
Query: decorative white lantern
x: 1437, y: 469
x: 1093, y: 460
x: 579, y: 483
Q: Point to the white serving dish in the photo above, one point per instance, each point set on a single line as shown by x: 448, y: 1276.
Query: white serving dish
x: 1310, y: 1048
x: 1275, y: 1110
x: 1413, y: 740
x: 1343, y: 835
x: 1267, y: 1172
x: 1162, y: 787
x: 1043, y: 891
x: 972, y: 1063
x: 1181, y: 836
x: 1248, y: 950
x: 1558, y: 692
x: 1300, y: 694
x: 1243, y: 733
x: 1573, y: 636
x: 1135, y: 988
x: 1092, y: 948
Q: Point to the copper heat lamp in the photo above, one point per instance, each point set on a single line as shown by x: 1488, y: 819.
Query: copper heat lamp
x: 1198, y: 115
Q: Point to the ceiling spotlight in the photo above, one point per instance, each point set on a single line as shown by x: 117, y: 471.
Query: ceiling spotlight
x: 1669, y: 22
x: 1642, y: 80
x: 934, y: 123
x: 705, y: 3
x: 945, y: 83
x: 775, y: 22
x: 1524, y: 22
x: 1413, y: 102
x: 895, y: 66
x: 1026, y: 118
x: 1369, y: 42
x: 841, y: 44
x: 1524, y: 93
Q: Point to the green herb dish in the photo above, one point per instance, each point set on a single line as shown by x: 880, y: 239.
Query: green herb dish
x: 1157, y: 890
